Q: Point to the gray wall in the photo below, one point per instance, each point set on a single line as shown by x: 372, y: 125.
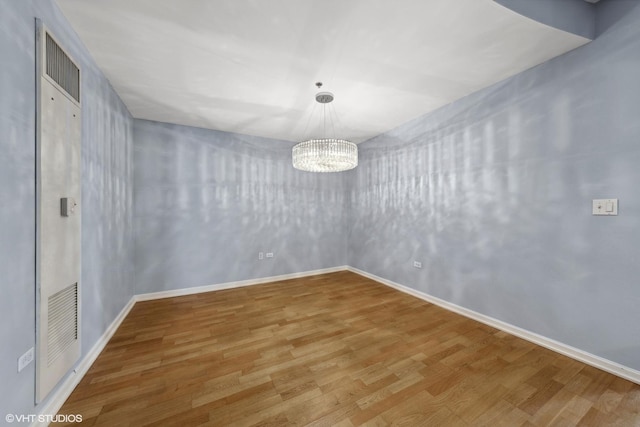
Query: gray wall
x: 574, y: 16
x: 493, y: 195
x: 207, y: 202
x: 107, y: 270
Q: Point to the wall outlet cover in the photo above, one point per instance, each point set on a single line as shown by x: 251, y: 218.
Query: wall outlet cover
x: 25, y: 359
x: 605, y: 207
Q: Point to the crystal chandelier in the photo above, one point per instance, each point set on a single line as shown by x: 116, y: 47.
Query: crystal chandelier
x: 325, y: 154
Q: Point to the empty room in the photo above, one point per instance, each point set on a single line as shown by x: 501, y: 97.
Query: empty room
x: 328, y: 213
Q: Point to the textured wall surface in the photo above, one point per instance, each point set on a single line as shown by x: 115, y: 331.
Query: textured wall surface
x: 17, y: 218
x: 493, y: 195
x: 207, y: 202
x: 107, y: 273
x: 573, y: 16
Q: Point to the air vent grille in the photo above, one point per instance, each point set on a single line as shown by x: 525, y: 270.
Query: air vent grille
x: 62, y: 70
x: 63, y: 321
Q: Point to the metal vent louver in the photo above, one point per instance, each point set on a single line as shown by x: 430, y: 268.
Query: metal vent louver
x: 61, y: 69
x: 63, y: 321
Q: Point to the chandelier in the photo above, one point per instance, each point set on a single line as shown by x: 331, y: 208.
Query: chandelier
x: 325, y: 154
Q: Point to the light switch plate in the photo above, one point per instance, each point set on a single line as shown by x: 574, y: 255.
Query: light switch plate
x: 606, y: 207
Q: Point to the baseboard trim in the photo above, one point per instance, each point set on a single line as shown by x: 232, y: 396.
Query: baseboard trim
x: 62, y: 393
x: 567, y: 350
x: 231, y: 285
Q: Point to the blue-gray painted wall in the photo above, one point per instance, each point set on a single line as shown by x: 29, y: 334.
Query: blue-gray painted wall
x: 207, y: 202
x: 609, y: 12
x: 574, y: 16
x: 107, y: 249
x: 493, y: 195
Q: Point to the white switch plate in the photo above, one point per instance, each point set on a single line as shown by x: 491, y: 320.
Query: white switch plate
x: 260, y: 255
x: 269, y: 254
x: 605, y: 207
x: 25, y: 359
x: 417, y: 264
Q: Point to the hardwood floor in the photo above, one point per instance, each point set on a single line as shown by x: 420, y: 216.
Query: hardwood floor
x: 334, y: 350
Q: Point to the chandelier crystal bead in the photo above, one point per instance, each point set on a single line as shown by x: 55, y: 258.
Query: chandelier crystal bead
x: 325, y: 155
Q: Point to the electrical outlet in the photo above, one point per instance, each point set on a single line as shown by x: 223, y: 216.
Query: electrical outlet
x: 269, y: 254
x: 260, y: 255
x: 417, y: 264
x: 607, y: 207
x: 25, y: 359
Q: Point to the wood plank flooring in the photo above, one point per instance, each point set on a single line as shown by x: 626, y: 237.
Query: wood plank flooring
x: 334, y: 350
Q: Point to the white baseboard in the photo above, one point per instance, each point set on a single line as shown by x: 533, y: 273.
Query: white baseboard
x: 572, y: 352
x: 231, y: 285
x: 62, y: 393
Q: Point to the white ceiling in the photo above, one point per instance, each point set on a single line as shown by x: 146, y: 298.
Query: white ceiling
x: 249, y: 66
